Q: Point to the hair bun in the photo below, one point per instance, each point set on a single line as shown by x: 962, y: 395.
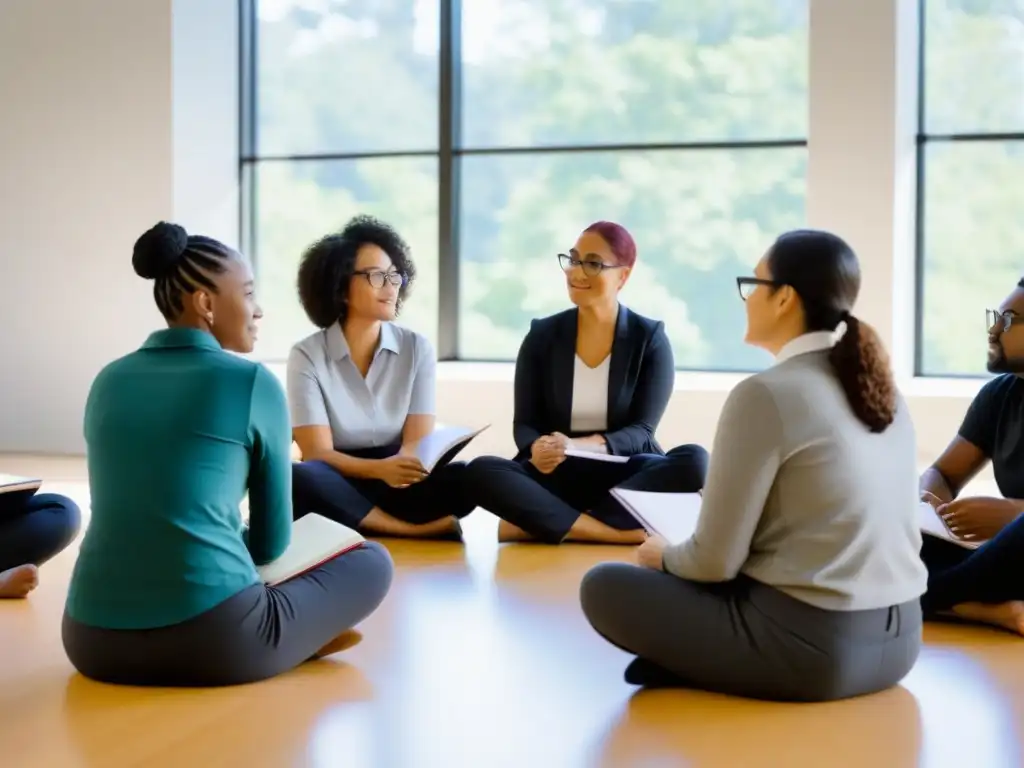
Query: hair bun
x: 158, y: 250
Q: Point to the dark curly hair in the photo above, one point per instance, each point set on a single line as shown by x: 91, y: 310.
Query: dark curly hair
x: 328, y: 265
x: 823, y: 270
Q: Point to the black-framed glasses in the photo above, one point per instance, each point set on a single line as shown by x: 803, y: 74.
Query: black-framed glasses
x: 590, y: 267
x: 993, y: 318
x: 747, y: 285
x: 377, y: 278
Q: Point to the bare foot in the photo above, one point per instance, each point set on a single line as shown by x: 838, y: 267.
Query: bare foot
x: 19, y: 581
x: 509, y: 532
x: 342, y: 642
x: 1009, y: 615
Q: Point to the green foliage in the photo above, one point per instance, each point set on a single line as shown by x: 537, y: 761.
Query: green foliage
x: 362, y: 76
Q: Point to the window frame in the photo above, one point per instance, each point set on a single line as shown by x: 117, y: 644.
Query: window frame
x: 448, y: 155
x: 922, y: 139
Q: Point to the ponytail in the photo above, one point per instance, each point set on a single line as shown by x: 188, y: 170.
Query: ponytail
x: 862, y: 366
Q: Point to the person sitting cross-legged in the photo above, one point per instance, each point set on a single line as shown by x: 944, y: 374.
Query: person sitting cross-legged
x: 985, y: 584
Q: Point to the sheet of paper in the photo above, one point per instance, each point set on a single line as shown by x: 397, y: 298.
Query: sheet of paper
x: 932, y: 525
x: 670, y: 515
x: 611, y: 458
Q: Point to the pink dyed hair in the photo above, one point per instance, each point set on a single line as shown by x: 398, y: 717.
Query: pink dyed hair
x: 618, y: 239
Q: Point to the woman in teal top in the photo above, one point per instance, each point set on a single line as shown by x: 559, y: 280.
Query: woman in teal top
x: 165, y: 590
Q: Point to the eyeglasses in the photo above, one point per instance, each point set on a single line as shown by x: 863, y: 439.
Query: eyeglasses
x: 377, y: 278
x: 994, y: 317
x: 590, y: 267
x: 747, y: 285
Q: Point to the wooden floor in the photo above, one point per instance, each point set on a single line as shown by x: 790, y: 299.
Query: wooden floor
x: 480, y: 657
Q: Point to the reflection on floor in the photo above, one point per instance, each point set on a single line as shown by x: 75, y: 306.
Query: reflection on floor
x: 480, y: 657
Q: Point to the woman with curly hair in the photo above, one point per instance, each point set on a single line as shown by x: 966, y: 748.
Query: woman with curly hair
x: 361, y: 391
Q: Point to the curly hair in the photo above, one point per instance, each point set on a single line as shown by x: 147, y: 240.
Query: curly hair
x: 825, y: 273
x: 328, y: 265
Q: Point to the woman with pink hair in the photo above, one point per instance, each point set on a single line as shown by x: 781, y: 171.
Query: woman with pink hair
x: 595, y: 378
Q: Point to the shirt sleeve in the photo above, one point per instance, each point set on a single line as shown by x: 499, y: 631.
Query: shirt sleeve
x: 653, y: 391
x: 745, y: 459
x: 305, y: 397
x: 979, y: 424
x: 424, y: 383
x: 270, y: 470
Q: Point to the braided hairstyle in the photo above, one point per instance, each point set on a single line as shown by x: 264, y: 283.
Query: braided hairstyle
x: 179, y: 264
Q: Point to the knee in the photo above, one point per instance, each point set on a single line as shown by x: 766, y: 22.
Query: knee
x: 65, y: 514
x: 695, y: 457
x: 483, y: 468
x: 310, y: 476
x: 379, y: 569
x: 595, y: 589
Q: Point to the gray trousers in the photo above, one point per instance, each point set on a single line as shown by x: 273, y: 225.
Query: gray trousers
x: 258, y: 633
x: 747, y: 639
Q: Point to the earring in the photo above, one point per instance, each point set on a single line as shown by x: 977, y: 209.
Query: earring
x: 209, y: 319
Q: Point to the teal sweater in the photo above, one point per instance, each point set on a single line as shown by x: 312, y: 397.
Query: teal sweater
x: 176, y: 433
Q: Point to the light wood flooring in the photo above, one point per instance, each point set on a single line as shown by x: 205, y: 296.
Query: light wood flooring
x: 480, y: 657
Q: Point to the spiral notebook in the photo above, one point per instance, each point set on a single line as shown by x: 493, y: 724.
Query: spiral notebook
x: 315, y: 540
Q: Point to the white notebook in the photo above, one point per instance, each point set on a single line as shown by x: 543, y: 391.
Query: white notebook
x: 12, y: 483
x: 442, y: 445
x: 593, y: 455
x: 672, y: 516
x: 315, y: 540
x: 933, y: 525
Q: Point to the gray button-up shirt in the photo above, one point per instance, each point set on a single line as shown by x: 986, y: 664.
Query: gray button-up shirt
x: 326, y: 389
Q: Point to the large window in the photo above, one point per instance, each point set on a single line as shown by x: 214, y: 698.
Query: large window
x: 971, y: 230
x: 492, y: 132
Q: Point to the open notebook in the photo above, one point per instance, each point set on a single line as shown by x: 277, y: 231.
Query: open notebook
x: 444, y: 444
x: 672, y: 516
x: 14, y: 484
x: 315, y: 540
x: 933, y: 525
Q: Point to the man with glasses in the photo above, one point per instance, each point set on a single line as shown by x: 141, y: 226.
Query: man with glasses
x: 985, y: 583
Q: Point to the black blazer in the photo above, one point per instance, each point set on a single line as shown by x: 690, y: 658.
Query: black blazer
x: 641, y: 378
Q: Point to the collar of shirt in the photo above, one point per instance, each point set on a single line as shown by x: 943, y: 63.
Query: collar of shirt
x: 338, y: 349
x: 171, y: 338
x: 808, y: 342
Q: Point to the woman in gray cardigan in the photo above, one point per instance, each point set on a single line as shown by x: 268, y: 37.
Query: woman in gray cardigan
x: 802, y: 579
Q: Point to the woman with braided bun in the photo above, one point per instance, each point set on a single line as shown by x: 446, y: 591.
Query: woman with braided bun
x: 165, y: 590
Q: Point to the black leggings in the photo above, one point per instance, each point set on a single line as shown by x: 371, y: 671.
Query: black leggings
x: 319, y: 487
x: 260, y: 632
x: 992, y: 573
x: 35, y: 528
x: 547, y: 506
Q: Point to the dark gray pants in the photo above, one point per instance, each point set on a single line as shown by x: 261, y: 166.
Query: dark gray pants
x: 258, y: 633
x: 747, y: 639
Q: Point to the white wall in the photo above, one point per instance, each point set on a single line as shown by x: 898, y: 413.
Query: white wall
x: 94, y: 149
x: 128, y: 113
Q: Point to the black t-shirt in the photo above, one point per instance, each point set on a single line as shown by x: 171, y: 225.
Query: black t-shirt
x: 995, y: 424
